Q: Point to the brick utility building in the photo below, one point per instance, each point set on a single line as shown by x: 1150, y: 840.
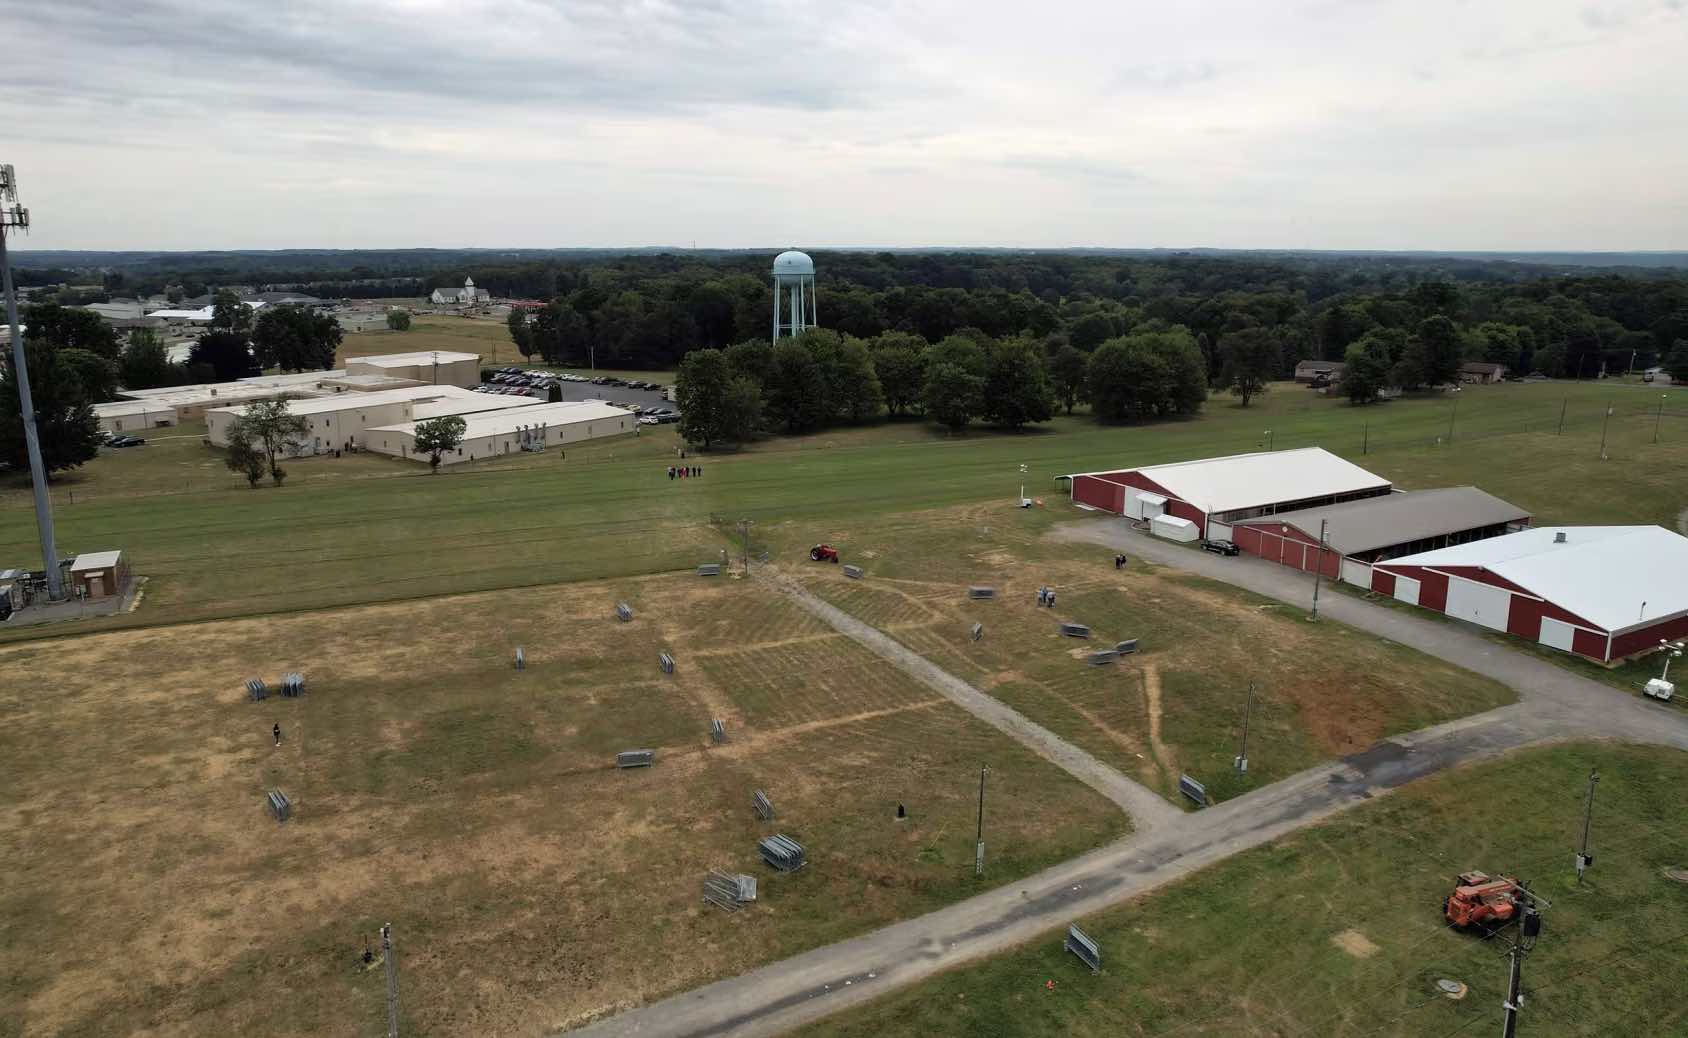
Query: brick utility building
x: 1212, y: 493
x: 1604, y: 592
x: 1360, y: 533
x: 99, y: 574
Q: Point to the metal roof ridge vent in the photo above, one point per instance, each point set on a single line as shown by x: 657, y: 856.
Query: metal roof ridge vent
x: 1559, y: 537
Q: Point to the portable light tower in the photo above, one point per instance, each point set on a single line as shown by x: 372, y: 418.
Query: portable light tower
x: 13, y: 215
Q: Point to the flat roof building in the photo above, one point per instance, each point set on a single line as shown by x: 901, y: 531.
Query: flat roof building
x: 339, y: 421
x: 1604, y: 592
x: 434, y: 367
x: 126, y: 417
x: 492, y: 434
x: 1213, y: 492
x: 99, y: 574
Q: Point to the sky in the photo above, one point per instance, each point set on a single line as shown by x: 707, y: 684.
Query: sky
x: 1303, y: 124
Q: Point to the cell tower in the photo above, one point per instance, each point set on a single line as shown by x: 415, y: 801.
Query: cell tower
x: 794, y: 277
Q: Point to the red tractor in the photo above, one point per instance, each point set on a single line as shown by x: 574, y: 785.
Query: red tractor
x: 1485, y: 901
x: 823, y: 553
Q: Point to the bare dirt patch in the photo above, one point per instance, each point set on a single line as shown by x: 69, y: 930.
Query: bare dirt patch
x: 1355, y: 943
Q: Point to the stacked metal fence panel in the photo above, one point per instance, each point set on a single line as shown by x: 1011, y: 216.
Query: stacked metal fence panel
x: 978, y: 631
x: 981, y: 593
x: 1193, y: 789
x: 709, y: 569
x: 293, y: 684
x: 635, y: 758
x: 853, y: 572
x: 666, y: 662
x: 521, y: 659
x: 1085, y: 947
x: 280, y: 808
x: 1103, y: 657
x: 256, y: 689
x: 1075, y: 630
x: 1126, y: 647
x: 623, y: 612
x: 721, y: 890
x: 782, y: 852
x: 718, y: 730
x: 764, y: 806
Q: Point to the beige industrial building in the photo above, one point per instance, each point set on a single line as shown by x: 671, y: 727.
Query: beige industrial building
x: 491, y: 434
x: 433, y: 367
x: 341, y: 421
x: 128, y: 417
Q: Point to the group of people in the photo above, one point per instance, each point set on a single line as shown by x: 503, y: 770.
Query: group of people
x: 682, y: 471
x: 1046, y: 597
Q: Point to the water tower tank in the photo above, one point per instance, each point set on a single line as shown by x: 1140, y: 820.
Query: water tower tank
x: 794, y: 293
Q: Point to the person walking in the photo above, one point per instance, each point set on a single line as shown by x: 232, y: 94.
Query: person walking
x: 275, y: 730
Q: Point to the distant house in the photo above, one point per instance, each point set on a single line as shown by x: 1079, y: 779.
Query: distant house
x: 1309, y: 370
x: 1657, y: 375
x: 468, y: 295
x: 1481, y: 371
x: 281, y: 298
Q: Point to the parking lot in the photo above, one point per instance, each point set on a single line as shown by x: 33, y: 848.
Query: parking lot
x: 638, y: 395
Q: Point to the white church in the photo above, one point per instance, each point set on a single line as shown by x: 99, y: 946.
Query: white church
x: 468, y: 295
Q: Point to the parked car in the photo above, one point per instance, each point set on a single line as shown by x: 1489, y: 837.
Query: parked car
x: 126, y: 441
x: 1219, y: 546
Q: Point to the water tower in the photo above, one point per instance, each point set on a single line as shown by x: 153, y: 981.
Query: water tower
x: 794, y: 276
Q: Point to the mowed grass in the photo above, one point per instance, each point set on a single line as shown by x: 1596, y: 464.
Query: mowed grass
x: 1337, y: 930
x: 1174, y: 706
x: 530, y: 883
x: 334, y: 536
x: 485, y: 336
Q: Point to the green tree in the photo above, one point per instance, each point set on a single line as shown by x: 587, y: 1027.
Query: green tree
x: 243, y: 456
x: 1150, y: 373
x: 71, y: 328
x: 1368, y: 368
x: 898, y: 365
x: 1550, y: 360
x: 295, y: 338
x: 520, y: 332
x: 1676, y: 363
x: 952, y: 395
x: 270, y: 427
x: 1443, y: 350
x: 225, y: 353
x: 1066, y: 372
x: 700, y: 390
x: 852, y: 388
x: 95, y: 374
x: 436, y: 436
x: 796, y: 389
x: 752, y: 359
x: 399, y: 320
x: 229, y: 314
x: 1091, y: 331
x: 1016, y: 389
x: 65, y: 424
x: 741, y: 410
x: 1249, y: 358
x: 145, y: 363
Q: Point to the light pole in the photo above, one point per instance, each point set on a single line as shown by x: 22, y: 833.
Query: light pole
x: 1671, y: 652
x: 1659, y: 417
x: 1241, y: 763
x: 1603, y: 425
x: 14, y: 215
x: 979, y: 848
x: 1268, y: 435
x: 1320, y: 572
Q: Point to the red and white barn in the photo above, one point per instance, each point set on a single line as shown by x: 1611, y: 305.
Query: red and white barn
x: 1212, y: 493
x: 1604, y: 592
x: 1359, y: 533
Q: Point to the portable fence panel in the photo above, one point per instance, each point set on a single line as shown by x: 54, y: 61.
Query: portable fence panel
x: 782, y: 852
x: 666, y: 662
x: 1193, y: 789
x: 1075, y: 630
x: 978, y: 631
x: 521, y: 659
x: 1102, y: 657
x: 1085, y: 947
x: 256, y: 689
x: 764, y: 806
x: 721, y: 890
x: 635, y: 758
x: 623, y: 612
x: 280, y: 808
x: 981, y: 593
x: 853, y: 572
x: 1126, y: 647
x: 746, y: 887
x: 709, y: 569
x: 293, y: 684
x: 718, y: 730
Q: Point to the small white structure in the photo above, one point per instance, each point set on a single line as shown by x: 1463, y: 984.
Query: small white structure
x: 1173, y: 528
x: 468, y: 295
x: 123, y: 417
x: 794, y: 279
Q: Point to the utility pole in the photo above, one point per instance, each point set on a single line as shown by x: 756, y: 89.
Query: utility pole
x: 1562, y: 405
x: 1584, y: 859
x: 1320, y: 572
x: 1365, y: 438
x: 1603, y: 425
x: 1659, y: 417
x: 14, y: 215
x: 392, y: 981
x: 1241, y: 763
x: 979, y: 847
x: 436, y: 367
x: 1529, y: 928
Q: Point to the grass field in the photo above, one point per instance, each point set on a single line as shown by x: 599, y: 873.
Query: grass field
x: 544, y: 518
x: 1337, y: 930
x: 531, y: 885
x: 486, y: 336
x: 1174, y: 706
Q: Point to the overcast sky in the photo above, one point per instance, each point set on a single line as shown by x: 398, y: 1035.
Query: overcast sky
x: 1435, y: 124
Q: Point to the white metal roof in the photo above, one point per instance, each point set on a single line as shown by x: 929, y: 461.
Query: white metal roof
x: 299, y: 380
x: 471, y: 403
x: 1614, y: 576
x: 502, y: 423
x: 407, y: 360
x: 1252, y: 480
x: 95, y: 560
x: 125, y: 408
x: 359, y: 401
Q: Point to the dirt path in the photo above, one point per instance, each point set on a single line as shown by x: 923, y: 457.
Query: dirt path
x: 1146, y: 807
x: 1152, y: 696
